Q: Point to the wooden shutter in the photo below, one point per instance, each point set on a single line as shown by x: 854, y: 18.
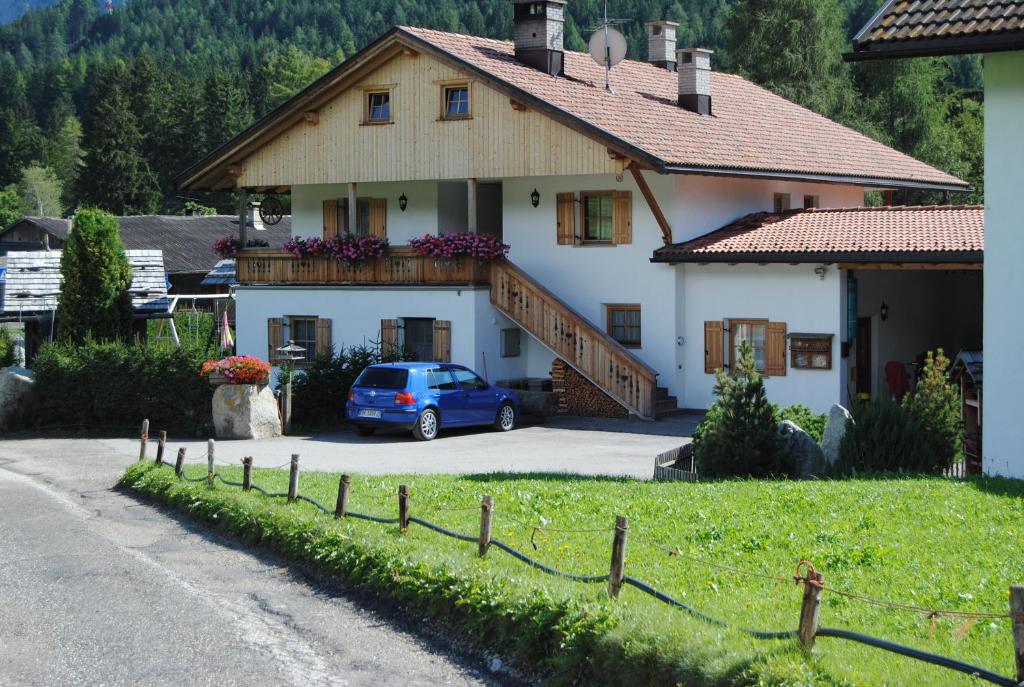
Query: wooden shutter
x: 323, y: 337
x: 389, y: 337
x: 275, y: 337
x: 442, y: 341
x: 566, y: 216
x: 775, y: 349
x: 330, y: 218
x: 378, y: 217
x: 622, y: 217
x: 713, y: 340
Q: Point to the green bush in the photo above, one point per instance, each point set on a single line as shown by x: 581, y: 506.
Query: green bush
x: 319, y: 392
x: 805, y: 418
x: 738, y: 437
x: 935, y: 407
x: 883, y: 437
x: 7, y: 353
x: 119, y: 384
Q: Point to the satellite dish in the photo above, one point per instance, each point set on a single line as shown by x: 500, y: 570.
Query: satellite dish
x: 607, y: 47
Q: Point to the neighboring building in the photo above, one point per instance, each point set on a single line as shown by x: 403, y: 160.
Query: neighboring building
x: 185, y: 241
x: 995, y: 28
x: 432, y: 132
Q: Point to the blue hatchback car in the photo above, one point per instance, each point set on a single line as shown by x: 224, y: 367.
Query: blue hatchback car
x: 426, y: 397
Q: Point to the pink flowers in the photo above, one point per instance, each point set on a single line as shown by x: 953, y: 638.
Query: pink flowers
x: 481, y: 246
x: 227, y: 247
x: 238, y: 369
x: 349, y: 249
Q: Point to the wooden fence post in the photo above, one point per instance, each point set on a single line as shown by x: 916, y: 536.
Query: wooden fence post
x: 160, y: 447
x: 403, y: 507
x: 293, y: 478
x: 179, y: 464
x: 486, y: 518
x: 1017, y: 610
x: 247, y: 473
x: 617, y: 571
x: 209, y: 461
x: 143, y: 438
x: 810, y: 607
x: 344, y: 484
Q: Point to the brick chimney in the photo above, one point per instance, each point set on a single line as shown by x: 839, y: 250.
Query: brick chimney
x: 694, y: 67
x: 539, y: 27
x: 661, y: 44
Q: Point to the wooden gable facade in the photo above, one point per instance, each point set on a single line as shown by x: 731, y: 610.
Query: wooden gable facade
x: 499, y: 138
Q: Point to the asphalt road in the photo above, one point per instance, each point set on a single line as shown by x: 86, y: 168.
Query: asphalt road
x: 97, y: 588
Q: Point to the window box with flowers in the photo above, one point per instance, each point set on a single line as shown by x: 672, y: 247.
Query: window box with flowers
x: 460, y: 252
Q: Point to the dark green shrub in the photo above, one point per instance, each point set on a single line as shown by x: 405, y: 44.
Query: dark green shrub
x: 739, y: 436
x: 935, y: 407
x: 805, y: 418
x: 120, y: 384
x: 319, y: 392
x: 7, y: 353
x: 94, y: 298
x: 883, y: 437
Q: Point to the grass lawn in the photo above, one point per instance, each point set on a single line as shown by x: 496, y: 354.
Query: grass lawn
x: 927, y: 542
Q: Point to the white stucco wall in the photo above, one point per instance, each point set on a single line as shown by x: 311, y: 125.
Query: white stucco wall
x: 1003, y: 430
x: 779, y: 293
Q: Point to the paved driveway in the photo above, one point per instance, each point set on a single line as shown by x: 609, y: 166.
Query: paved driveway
x: 582, y: 445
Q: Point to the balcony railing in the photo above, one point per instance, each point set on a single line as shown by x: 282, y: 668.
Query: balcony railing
x: 399, y: 266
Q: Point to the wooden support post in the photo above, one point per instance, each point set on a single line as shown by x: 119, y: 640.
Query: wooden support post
x: 179, y: 463
x: 209, y: 461
x: 810, y: 607
x: 471, y: 205
x: 143, y: 438
x: 247, y: 473
x: 652, y: 203
x: 243, y: 216
x: 486, y: 519
x: 344, y: 484
x: 1017, y: 610
x: 160, y: 447
x: 293, y: 478
x: 403, y: 507
x: 618, y: 568
x: 353, y: 215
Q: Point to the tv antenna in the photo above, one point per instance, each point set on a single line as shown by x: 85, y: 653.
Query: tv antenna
x: 608, y: 45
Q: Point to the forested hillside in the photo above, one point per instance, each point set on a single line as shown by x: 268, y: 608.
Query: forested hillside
x: 104, y: 109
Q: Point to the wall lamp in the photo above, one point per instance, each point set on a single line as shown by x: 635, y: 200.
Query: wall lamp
x: 820, y: 271
x: 403, y: 202
x: 535, y: 197
x: 884, y: 311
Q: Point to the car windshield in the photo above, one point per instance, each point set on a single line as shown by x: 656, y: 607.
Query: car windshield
x: 383, y: 378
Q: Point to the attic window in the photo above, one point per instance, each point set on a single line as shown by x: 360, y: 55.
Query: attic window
x: 810, y: 202
x: 378, y: 107
x: 456, y: 101
x: 782, y: 202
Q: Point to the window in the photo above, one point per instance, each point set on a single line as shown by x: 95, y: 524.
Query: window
x: 303, y: 333
x: 511, y: 342
x: 752, y: 331
x: 781, y: 202
x: 419, y: 337
x: 624, y: 324
x: 378, y: 107
x: 468, y: 380
x: 810, y: 202
x: 456, y: 102
x: 393, y: 378
x: 440, y: 379
x: 598, y: 222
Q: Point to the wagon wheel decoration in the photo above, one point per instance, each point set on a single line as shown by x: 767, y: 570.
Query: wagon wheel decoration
x: 271, y: 210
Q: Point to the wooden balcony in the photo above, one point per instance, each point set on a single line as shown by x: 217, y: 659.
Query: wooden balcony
x: 399, y: 267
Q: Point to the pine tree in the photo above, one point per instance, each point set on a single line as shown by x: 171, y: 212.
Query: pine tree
x: 935, y: 407
x: 225, y: 111
x: 94, y: 297
x: 113, y: 144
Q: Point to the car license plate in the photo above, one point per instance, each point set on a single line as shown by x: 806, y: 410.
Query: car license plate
x: 370, y: 413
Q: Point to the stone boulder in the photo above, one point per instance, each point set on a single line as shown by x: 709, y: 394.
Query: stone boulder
x: 835, y: 429
x: 15, y: 384
x: 245, y: 411
x: 810, y: 461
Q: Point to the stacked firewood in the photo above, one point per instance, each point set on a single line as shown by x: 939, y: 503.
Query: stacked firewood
x: 577, y: 395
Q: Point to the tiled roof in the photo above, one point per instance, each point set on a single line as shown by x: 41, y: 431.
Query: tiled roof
x: 940, y: 26
x: 751, y: 128
x: 938, y: 233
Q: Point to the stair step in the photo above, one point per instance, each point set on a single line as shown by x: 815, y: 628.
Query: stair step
x: 660, y: 392
x: 659, y: 414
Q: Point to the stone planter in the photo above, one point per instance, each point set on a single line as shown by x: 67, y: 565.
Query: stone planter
x: 216, y: 379
x: 245, y: 411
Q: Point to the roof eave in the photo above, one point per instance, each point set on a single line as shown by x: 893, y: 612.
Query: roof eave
x: 848, y: 257
x: 962, y: 187
x: 935, y: 47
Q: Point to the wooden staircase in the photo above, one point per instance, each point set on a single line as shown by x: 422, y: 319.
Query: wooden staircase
x: 665, y: 405
x: 584, y: 346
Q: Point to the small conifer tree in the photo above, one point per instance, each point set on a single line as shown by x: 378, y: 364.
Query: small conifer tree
x: 935, y: 406
x: 94, y: 297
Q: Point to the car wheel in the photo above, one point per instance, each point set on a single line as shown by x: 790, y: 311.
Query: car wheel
x: 505, y: 420
x: 365, y: 431
x: 426, y: 425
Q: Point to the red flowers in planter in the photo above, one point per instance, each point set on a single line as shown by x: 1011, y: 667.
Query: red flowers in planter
x: 238, y: 369
x: 481, y: 246
x: 350, y: 249
x: 229, y: 246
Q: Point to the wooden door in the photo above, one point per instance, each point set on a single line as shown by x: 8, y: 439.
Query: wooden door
x: 863, y: 344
